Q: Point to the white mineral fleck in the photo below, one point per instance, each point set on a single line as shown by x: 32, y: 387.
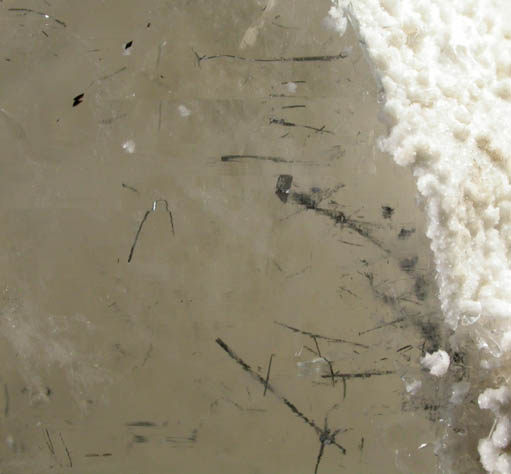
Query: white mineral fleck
x: 413, y: 387
x: 437, y: 363
x: 129, y: 146
x: 291, y: 87
x: 184, y: 111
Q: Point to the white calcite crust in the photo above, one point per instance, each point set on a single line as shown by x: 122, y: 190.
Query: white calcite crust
x: 445, y: 70
x: 493, y: 449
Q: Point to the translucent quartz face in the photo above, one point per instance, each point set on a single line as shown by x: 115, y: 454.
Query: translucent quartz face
x: 207, y: 263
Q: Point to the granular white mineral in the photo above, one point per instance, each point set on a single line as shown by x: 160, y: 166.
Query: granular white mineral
x: 445, y: 71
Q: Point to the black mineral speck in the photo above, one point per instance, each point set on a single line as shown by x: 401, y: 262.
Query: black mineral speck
x: 283, y: 186
x: 431, y: 333
x: 386, y: 212
x: 405, y: 233
x: 420, y: 288
x: 408, y: 264
x: 78, y: 99
x: 304, y: 199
